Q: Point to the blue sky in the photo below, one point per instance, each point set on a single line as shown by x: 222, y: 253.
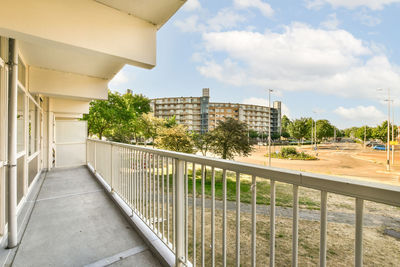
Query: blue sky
x: 322, y: 58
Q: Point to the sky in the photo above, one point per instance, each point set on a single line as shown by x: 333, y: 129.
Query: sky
x: 326, y: 59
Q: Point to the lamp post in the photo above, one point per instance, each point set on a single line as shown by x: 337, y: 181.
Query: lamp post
x: 315, y: 131
x: 388, y: 132
x: 312, y: 133
x: 392, y: 132
x: 365, y: 135
x: 269, y: 128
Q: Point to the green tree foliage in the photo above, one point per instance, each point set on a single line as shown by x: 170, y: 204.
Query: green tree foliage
x: 117, y: 118
x: 150, y: 126
x: 203, y: 142
x: 359, y: 133
x: 230, y: 139
x: 324, y: 129
x: 350, y: 132
x: 299, y: 128
x: 253, y: 134
x: 100, y: 117
x: 380, y: 132
x: 285, y: 124
x: 175, y: 138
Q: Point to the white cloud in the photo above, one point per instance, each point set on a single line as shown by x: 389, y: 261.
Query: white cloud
x: 300, y: 58
x: 361, y: 115
x: 367, y: 19
x: 191, y: 5
x: 225, y: 19
x: 190, y: 24
x: 331, y: 23
x: 351, y: 4
x: 264, y: 7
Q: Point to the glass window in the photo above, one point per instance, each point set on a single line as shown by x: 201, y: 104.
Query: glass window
x: 33, y: 124
x: 21, y: 122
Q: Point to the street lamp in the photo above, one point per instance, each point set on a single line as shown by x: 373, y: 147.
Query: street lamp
x: 388, y: 132
x: 269, y: 128
x: 315, y: 130
x: 392, y: 132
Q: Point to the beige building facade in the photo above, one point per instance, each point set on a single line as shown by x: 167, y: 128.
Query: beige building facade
x: 200, y: 115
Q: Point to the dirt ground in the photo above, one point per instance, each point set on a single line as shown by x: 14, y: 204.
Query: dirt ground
x: 349, y: 160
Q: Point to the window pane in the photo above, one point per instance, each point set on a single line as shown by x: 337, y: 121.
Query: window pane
x: 32, y: 127
x: 20, y: 122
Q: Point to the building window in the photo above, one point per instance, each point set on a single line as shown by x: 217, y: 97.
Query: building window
x: 21, y: 121
x: 32, y: 128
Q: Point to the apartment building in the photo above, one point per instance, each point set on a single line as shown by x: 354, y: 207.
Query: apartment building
x: 201, y: 115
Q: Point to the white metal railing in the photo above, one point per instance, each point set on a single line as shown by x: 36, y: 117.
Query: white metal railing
x: 155, y: 185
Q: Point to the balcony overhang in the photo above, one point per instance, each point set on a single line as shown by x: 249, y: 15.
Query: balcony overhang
x: 156, y: 12
x: 85, y: 34
x: 66, y: 85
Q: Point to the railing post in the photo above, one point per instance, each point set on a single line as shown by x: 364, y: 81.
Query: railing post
x: 180, y: 213
x: 94, y: 160
x: 112, y: 169
x: 359, y: 233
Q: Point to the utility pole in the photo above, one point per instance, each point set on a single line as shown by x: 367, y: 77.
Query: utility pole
x: 365, y: 135
x: 334, y: 134
x: 393, y: 132
x: 388, y: 132
x: 388, y: 135
x: 312, y: 133
x: 269, y: 128
x: 315, y: 131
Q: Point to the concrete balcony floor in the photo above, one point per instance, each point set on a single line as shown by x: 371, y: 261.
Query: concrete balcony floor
x: 75, y: 223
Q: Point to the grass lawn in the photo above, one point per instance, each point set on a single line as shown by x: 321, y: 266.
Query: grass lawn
x: 284, y: 193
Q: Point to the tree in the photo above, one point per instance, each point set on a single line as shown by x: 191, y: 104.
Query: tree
x: 359, y: 133
x: 253, y: 134
x: 230, y: 139
x: 285, y: 124
x: 150, y: 126
x: 203, y: 142
x: 175, y: 138
x: 101, y: 116
x: 350, y: 132
x: 299, y: 129
x: 128, y: 111
x: 380, y: 131
x: 324, y: 129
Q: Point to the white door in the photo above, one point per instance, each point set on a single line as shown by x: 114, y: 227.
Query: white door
x: 70, y: 143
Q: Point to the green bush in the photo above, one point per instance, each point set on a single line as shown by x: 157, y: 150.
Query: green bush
x: 291, y: 153
x: 288, y: 151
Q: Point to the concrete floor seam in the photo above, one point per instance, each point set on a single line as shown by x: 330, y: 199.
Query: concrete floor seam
x: 118, y: 257
x: 70, y: 195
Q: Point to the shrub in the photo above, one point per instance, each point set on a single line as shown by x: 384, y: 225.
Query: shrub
x: 291, y: 153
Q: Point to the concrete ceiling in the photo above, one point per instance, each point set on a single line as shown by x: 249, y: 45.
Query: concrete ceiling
x: 156, y: 12
x: 73, y: 60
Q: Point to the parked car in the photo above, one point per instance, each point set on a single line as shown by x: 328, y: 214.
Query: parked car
x: 380, y: 147
x: 372, y: 144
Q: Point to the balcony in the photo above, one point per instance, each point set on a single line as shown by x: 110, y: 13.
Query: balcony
x: 71, y: 221
x: 133, y: 206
